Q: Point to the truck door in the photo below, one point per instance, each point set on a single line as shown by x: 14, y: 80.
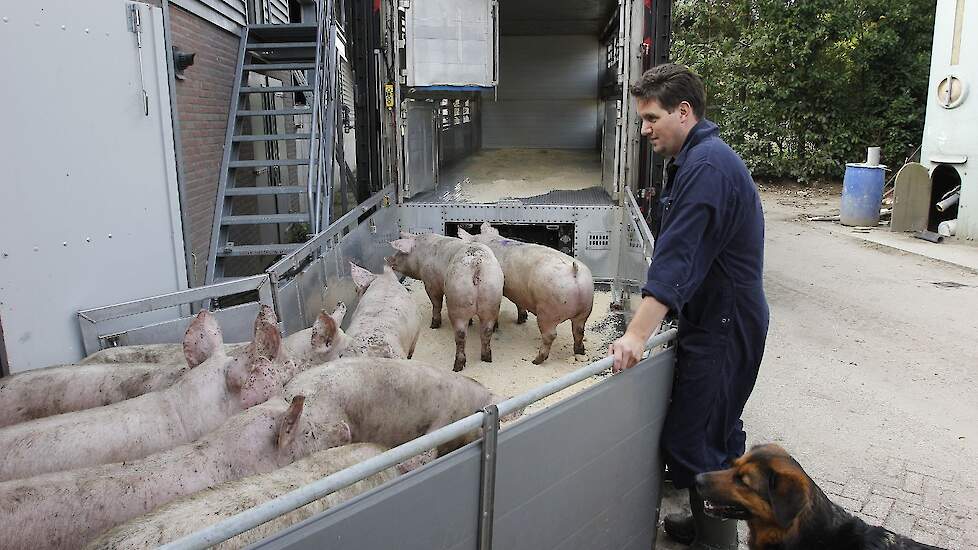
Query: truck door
x: 451, y: 42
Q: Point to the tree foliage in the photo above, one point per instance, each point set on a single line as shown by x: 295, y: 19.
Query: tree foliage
x: 800, y: 87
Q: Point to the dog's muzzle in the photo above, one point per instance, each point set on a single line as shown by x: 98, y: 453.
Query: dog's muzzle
x: 725, y: 511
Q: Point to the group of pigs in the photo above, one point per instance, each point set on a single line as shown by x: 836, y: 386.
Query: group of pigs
x: 137, y: 446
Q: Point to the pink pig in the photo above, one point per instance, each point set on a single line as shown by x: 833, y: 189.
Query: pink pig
x: 467, y: 275
x: 550, y: 284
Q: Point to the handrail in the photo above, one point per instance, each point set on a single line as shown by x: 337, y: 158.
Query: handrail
x: 312, y: 170
x: 253, y: 517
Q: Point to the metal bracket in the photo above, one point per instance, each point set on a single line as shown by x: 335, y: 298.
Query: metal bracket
x: 487, y: 486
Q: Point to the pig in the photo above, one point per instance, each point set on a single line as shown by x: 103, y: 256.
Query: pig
x: 192, y: 513
x: 69, y: 509
x: 467, y: 275
x: 387, y: 401
x: 550, y: 284
x: 322, y: 342
x: 61, y: 389
x: 385, y: 323
x: 197, y: 403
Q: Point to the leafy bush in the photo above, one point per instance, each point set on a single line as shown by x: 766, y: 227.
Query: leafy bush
x: 800, y: 87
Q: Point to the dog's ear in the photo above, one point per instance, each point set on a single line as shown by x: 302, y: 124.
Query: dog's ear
x: 788, y: 494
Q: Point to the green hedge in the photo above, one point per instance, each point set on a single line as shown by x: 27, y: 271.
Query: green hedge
x: 800, y: 87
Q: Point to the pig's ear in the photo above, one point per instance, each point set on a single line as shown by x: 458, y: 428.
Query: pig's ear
x: 324, y: 331
x: 403, y: 245
x: 289, y: 424
x: 339, y: 313
x: 338, y: 434
x: 202, y: 339
x: 266, y: 314
x: 464, y: 235
x: 361, y: 277
x: 268, y: 340
x: 389, y: 271
x: 487, y: 229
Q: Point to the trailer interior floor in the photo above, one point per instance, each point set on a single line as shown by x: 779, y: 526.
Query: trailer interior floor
x: 564, y: 176
x: 514, y: 347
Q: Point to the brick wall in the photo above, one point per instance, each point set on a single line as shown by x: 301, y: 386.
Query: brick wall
x: 203, y: 99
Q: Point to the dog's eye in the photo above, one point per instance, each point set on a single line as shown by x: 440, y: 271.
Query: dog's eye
x: 743, y: 480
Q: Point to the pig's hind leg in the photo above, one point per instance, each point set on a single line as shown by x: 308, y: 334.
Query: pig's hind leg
x: 436, y: 295
x: 548, y: 331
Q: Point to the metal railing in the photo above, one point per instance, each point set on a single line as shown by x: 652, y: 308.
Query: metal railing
x: 253, y: 517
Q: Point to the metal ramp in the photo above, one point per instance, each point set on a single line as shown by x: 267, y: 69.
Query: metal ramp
x: 278, y: 150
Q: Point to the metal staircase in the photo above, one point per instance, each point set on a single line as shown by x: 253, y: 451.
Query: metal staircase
x: 278, y: 151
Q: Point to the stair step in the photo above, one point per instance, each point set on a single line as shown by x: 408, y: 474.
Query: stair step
x: 268, y: 162
x: 267, y: 190
x: 264, y: 218
x: 278, y: 66
x: 272, y: 137
x: 257, y: 249
x: 279, y: 45
x: 275, y: 112
x: 273, y: 89
x: 282, y: 33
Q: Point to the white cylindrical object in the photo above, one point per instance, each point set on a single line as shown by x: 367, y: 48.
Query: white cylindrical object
x: 948, y: 228
x: 948, y: 202
x: 873, y: 156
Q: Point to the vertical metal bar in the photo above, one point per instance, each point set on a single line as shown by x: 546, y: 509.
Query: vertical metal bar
x: 312, y: 173
x: 487, y: 490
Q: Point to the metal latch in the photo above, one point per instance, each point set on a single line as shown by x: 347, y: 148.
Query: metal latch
x: 135, y: 27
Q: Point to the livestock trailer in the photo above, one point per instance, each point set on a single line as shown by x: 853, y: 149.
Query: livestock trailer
x: 512, y: 112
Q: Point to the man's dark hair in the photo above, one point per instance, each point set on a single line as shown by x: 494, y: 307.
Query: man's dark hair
x: 671, y: 84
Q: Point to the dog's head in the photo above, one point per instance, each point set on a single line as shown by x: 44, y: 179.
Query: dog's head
x: 766, y: 487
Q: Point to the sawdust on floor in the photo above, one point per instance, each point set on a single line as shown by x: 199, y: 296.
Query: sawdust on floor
x: 514, y: 346
x: 494, y: 174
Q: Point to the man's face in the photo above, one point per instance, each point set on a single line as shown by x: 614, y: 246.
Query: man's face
x: 665, y: 131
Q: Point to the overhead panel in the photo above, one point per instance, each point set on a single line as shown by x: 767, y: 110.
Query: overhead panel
x: 451, y: 42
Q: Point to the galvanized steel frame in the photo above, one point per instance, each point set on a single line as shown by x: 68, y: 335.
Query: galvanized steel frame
x: 93, y: 321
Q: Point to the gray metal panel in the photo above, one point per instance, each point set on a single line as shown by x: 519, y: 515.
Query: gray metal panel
x: 450, y: 42
x: 326, y: 280
x: 588, y: 221
x: 584, y: 473
x: 421, y: 143
x: 89, y: 212
x: 237, y: 325
x: 547, y: 93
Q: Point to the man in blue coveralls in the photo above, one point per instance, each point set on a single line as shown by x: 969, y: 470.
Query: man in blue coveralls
x: 706, y: 267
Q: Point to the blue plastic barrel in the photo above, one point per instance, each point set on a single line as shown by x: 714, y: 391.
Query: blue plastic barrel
x: 862, y: 192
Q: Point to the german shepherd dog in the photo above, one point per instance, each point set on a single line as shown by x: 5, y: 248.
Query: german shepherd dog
x: 786, y: 510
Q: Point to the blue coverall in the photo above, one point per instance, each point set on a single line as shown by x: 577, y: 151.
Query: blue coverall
x: 707, y: 266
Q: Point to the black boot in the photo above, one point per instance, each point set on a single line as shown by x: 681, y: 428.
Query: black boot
x: 700, y: 530
x: 710, y: 533
x: 679, y: 527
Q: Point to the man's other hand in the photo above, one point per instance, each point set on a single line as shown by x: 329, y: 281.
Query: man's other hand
x: 627, y: 351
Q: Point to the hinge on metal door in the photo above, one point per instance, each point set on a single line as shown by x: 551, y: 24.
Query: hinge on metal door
x: 135, y: 27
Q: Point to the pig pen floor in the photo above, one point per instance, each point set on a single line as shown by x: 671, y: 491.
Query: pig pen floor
x: 514, y: 347
x: 553, y: 176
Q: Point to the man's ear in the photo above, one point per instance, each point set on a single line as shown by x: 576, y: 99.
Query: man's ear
x: 788, y: 496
